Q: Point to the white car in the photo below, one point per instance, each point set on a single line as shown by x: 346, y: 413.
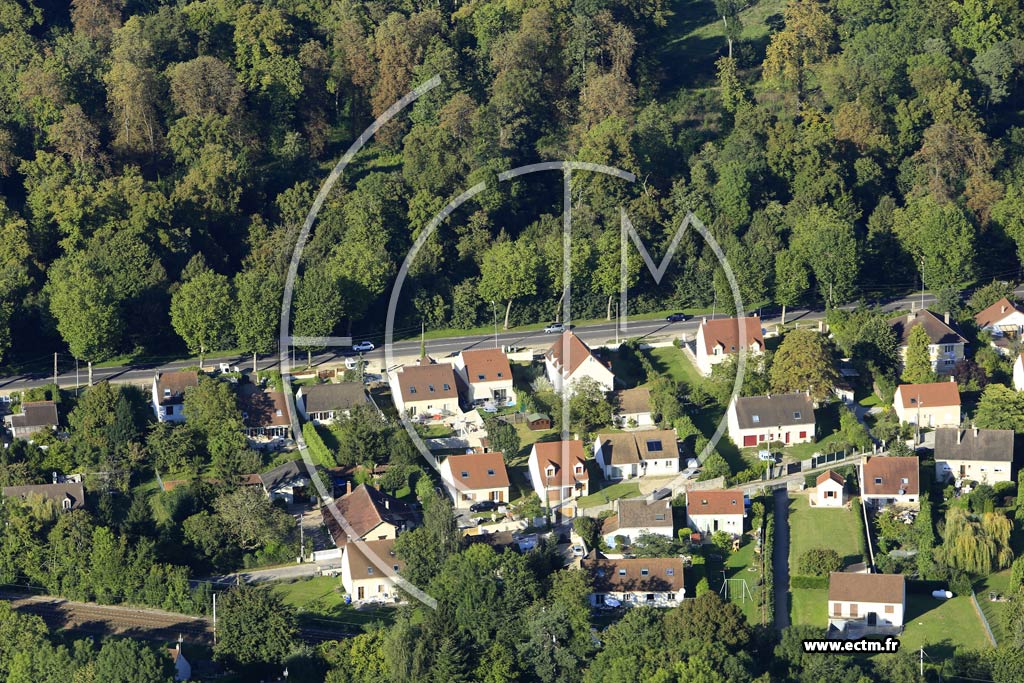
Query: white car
x: 554, y: 327
x: 363, y: 346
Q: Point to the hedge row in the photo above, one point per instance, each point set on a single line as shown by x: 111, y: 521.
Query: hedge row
x: 768, y: 587
x: 808, y: 582
x: 318, y: 451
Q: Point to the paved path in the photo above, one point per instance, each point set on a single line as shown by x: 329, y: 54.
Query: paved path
x: 146, y: 624
x: 286, y: 573
x: 780, y: 559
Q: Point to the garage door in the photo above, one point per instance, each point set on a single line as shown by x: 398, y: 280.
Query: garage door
x: 749, y: 440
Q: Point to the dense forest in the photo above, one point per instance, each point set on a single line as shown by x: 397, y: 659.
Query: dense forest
x: 157, y: 158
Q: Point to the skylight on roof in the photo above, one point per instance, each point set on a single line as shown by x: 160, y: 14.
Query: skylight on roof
x: 654, y: 445
x: 412, y: 390
x: 796, y: 415
x: 755, y: 418
x: 447, y: 387
x: 465, y: 475
x: 490, y: 473
x: 430, y: 388
x: 670, y: 571
x: 480, y: 375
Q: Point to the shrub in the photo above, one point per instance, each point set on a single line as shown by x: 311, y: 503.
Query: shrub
x: 808, y: 582
x: 702, y: 587
x: 820, y: 562
x: 723, y: 541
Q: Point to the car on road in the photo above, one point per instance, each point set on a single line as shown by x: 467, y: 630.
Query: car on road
x: 363, y: 346
x: 578, y: 551
x: 490, y: 407
x: 554, y: 327
x: 484, y: 506
x: 677, y: 318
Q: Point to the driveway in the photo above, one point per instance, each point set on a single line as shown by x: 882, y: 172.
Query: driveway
x: 780, y: 559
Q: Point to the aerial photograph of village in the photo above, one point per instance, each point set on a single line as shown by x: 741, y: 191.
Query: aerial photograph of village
x: 511, y: 341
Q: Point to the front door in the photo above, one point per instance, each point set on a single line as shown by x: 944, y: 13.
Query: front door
x: 872, y: 618
x: 360, y: 593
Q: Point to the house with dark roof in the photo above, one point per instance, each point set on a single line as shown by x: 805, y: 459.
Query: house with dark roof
x: 69, y: 495
x: 625, y: 455
x: 265, y: 419
x: 865, y: 604
x: 654, y: 582
x: 720, y: 338
x: 558, y: 472
x: 632, y: 408
x: 887, y: 480
x: 475, y: 477
x: 981, y: 455
x: 366, y: 514
x: 168, y: 396
x: 830, y: 490
x: 636, y: 516
x: 929, y: 405
x: 569, y: 360
x: 716, y: 510
x: 289, y: 481
x: 35, y: 417
x: 784, y: 418
x: 946, y: 344
x: 370, y: 571
x: 426, y: 392
x: 486, y: 377
x: 322, y: 404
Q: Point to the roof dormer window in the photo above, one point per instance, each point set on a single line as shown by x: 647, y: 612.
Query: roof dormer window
x: 447, y: 387
x: 430, y: 388
x: 167, y: 393
x: 796, y: 415
x: 622, y: 572
x: 755, y: 419
x: 490, y: 473
x: 500, y: 374
x: 412, y: 390
x: 465, y: 475
x: 480, y: 376
x: 670, y: 571
x: 645, y: 571
x: 878, y: 480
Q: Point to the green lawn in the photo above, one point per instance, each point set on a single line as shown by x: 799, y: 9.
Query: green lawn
x: 940, y: 626
x: 321, y: 600
x: 737, y: 566
x: 839, y: 529
x: 993, y: 583
x: 321, y: 590
x: 809, y: 606
x: 671, y: 361
x: 623, y: 489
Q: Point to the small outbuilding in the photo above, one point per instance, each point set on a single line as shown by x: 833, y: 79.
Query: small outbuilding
x: 830, y: 491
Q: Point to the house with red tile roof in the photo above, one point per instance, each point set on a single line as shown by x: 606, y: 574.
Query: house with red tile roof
x: 558, y: 472
x: 366, y: 514
x: 370, y: 571
x: 654, y: 581
x: 936, y: 404
x: 830, y: 490
x: 486, y: 377
x: 1004, y: 317
x: 887, y: 480
x: 475, y: 477
x: 426, y: 392
x: 569, y: 359
x: 865, y: 604
x: 715, y: 510
x: 720, y: 339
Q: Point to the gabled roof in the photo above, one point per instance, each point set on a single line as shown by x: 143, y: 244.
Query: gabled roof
x: 363, y: 510
x: 855, y: 587
x: 261, y: 408
x: 425, y: 382
x: 636, y: 400
x: 640, y: 513
x: 725, y: 332
x: 638, y: 575
x: 479, y: 470
x: 715, y: 502
x: 938, y: 331
x: 171, y: 386
x: 995, y: 313
x: 984, y: 445
x: 633, y: 447
x: 933, y: 395
x: 36, y: 414
x: 324, y: 398
x: 72, y: 491
x: 362, y: 563
x: 887, y: 476
x: 830, y: 475
x: 551, y: 453
x: 284, y: 473
x: 780, y: 410
x: 486, y: 365
x: 578, y: 353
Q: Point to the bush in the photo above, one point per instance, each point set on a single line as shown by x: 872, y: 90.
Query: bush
x: 702, y: 587
x: 318, y: 451
x: 714, y: 466
x: 722, y: 540
x: 808, y: 582
x: 820, y: 562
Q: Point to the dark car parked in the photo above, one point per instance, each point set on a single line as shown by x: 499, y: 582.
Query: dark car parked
x: 677, y: 318
x: 484, y: 506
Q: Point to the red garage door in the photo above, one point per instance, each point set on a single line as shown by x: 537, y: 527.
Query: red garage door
x: 749, y: 440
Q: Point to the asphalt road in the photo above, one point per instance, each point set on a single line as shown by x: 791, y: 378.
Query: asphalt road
x: 594, y: 335
x: 780, y: 558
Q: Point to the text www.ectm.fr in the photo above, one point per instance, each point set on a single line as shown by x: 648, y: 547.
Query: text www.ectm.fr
x: 848, y: 646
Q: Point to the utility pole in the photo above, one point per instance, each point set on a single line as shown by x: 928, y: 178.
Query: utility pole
x: 76, y: 377
x: 921, y: 659
x: 922, y: 283
x: 617, y: 312
x: 494, y: 315
x: 214, y: 618
x: 55, y: 371
x: 302, y: 541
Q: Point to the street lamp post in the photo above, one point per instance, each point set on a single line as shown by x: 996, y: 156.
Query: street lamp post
x: 494, y: 315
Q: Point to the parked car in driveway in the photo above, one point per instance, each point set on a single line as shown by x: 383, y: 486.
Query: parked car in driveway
x: 363, y: 346
x: 677, y: 318
x: 554, y: 328
x: 484, y: 506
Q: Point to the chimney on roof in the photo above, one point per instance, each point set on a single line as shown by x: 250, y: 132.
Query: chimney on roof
x: 1002, y: 309
x: 946, y: 317
x: 705, y: 320
x: 911, y: 316
x: 387, y: 504
x: 975, y: 427
x: 959, y: 435
x: 952, y: 378
x: 348, y: 486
